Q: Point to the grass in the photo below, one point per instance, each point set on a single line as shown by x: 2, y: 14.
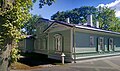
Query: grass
x: 21, y: 66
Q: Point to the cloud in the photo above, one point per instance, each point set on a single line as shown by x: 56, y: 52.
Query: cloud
x: 117, y: 13
x: 114, y: 5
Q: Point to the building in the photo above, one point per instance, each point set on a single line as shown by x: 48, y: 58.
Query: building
x: 76, y: 41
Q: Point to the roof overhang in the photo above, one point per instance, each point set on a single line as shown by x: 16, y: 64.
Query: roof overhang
x: 80, y: 27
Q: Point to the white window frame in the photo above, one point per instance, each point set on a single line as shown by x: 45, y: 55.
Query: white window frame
x: 91, y: 41
x: 101, y: 44
x: 111, y: 44
x: 58, y: 42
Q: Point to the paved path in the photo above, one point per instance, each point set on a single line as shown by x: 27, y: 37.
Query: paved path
x: 99, y: 64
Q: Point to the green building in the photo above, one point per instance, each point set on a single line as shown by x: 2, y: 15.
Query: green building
x: 76, y: 41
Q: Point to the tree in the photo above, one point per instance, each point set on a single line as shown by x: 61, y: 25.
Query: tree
x: 106, y: 18
x: 13, y: 15
x: 30, y: 25
x: 77, y: 15
x: 44, y: 2
x: 115, y: 26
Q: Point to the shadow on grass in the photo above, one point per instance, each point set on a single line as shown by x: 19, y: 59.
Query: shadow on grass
x: 35, y: 59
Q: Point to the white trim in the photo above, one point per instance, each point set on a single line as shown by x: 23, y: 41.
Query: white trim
x: 101, y: 44
x: 94, y: 29
x: 60, y: 27
x: 92, y: 42
x: 96, y: 56
x: 57, y: 42
x: 111, y: 46
x: 95, y: 32
x: 84, y: 50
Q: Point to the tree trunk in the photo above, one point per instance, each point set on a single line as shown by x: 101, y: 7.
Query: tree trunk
x: 4, y: 58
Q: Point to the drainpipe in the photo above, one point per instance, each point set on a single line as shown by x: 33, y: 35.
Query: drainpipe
x: 25, y: 45
x: 63, y: 55
x: 74, y: 44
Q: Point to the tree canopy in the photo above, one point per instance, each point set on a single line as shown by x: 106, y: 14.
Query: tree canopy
x: 30, y: 25
x: 13, y: 15
x: 77, y: 15
x: 44, y: 2
x: 104, y: 15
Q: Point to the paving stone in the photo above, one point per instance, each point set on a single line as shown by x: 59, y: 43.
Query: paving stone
x: 108, y: 70
x: 93, y: 63
x: 84, y: 69
x: 111, y: 64
x: 116, y: 62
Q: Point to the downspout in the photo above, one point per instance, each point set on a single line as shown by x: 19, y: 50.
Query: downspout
x: 25, y: 46
x: 48, y: 45
x: 74, y: 44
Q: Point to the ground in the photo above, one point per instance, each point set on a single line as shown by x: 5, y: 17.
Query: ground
x: 98, y: 64
x: 34, y: 61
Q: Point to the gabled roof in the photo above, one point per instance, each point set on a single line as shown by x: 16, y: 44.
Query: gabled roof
x: 81, y: 27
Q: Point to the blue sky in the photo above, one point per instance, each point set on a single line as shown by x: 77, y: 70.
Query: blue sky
x: 63, y: 5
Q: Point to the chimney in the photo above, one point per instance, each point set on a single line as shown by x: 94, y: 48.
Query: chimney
x: 97, y: 24
x: 68, y: 20
x: 89, y: 20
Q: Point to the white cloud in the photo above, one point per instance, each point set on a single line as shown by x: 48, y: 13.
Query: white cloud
x: 114, y: 5
x: 117, y: 13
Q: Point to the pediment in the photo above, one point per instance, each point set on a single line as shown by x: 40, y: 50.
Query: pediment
x: 58, y: 27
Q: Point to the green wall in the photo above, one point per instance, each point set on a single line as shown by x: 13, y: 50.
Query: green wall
x: 66, y: 45
x: 82, y: 40
x: 30, y: 44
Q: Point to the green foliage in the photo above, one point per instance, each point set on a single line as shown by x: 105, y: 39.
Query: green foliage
x: 115, y: 26
x: 14, y: 56
x: 44, y: 2
x: 11, y: 20
x: 106, y: 18
x: 77, y: 15
x: 30, y: 25
x: 104, y: 15
x: 13, y: 15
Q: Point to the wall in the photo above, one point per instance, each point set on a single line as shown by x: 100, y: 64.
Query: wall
x: 117, y: 43
x: 82, y: 42
x: 30, y: 44
x: 39, y: 42
x: 66, y: 45
x: 26, y: 45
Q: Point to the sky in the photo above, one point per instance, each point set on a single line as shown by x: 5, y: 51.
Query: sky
x: 64, y: 5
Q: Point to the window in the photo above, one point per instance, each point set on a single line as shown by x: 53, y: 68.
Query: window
x: 101, y: 44
x: 45, y: 43
x: 111, y: 45
x: 91, y: 40
x: 58, y: 42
